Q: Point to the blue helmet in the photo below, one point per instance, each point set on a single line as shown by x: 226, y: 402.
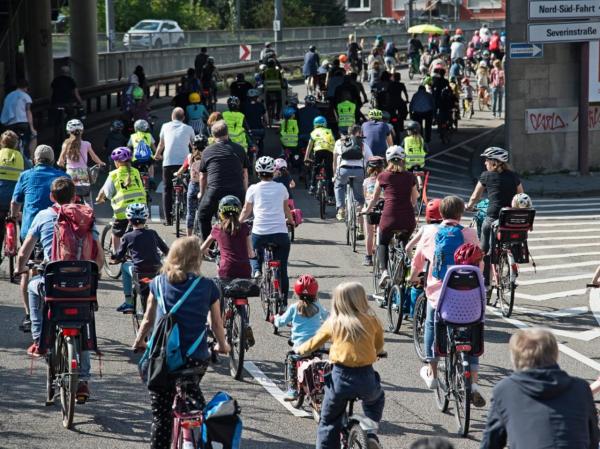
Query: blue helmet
x: 319, y: 122
x: 288, y: 112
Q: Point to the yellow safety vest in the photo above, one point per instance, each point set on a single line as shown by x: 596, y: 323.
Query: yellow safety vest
x: 414, y: 147
x: 272, y: 80
x: 346, y: 110
x: 124, y: 196
x: 235, y: 125
x: 136, y: 137
x: 288, y: 132
x: 11, y: 164
x: 323, y: 139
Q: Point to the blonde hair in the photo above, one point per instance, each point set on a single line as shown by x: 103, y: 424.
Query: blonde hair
x: 185, y: 256
x: 395, y: 167
x: 533, y: 348
x: 213, y: 118
x: 9, y: 139
x: 349, y: 305
x: 374, y: 171
x: 72, y: 147
x: 127, y: 164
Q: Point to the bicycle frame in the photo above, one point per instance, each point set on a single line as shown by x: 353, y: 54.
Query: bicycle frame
x: 186, y: 425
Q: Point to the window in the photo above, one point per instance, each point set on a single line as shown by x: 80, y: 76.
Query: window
x: 358, y: 5
x: 484, y: 4
x: 418, y: 5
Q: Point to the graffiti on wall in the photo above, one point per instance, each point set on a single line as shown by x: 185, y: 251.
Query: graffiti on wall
x: 559, y: 120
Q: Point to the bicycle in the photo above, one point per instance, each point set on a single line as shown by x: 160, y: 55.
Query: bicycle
x: 271, y: 100
x: 398, y: 269
x: 351, y: 213
x: 312, y: 386
x: 321, y: 190
x: 139, y: 296
x: 420, y: 314
x: 146, y: 182
x: 468, y: 108
x: 179, y: 203
x: 188, y: 416
x: 10, y: 245
x: 271, y: 296
x: 84, y: 191
x: 413, y: 66
x: 111, y: 268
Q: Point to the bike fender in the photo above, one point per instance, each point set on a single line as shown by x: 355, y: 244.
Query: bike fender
x: 366, y: 424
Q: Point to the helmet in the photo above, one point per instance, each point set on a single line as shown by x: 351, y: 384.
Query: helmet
x: 137, y: 211
x: 74, y: 126
x: 482, y: 64
x: 432, y: 211
x: 233, y: 102
x: 288, y: 112
x: 306, y: 286
x: 486, y: 53
x: 343, y: 58
x: 459, y: 31
x: 253, y: 93
x: 137, y: 93
x: 121, y: 154
x: 230, y: 205
x: 310, y: 100
x: 200, y: 141
x: 194, y: 97
x: 268, y: 44
x: 375, y: 114
x: 262, y: 67
x: 280, y: 163
x: 522, y: 201
x: 141, y: 126
x: 117, y: 125
x: 210, y: 60
x: 468, y: 254
x: 325, y: 63
x: 265, y: 164
x: 386, y: 116
x: 320, y: 122
x: 312, y: 48
x: 496, y: 154
x: 413, y: 126
x: 376, y: 162
x: 395, y: 153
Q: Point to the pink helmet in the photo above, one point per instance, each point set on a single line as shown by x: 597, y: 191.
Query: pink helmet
x: 280, y: 163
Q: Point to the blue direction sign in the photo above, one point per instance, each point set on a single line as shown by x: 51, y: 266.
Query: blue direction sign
x: 526, y: 50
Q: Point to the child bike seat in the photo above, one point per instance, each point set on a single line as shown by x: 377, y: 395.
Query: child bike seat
x: 462, y: 298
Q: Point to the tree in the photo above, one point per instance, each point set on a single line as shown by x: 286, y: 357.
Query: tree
x: 260, y: 14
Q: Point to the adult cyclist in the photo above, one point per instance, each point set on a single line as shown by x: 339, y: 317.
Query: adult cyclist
x: 415, y: 48
x: 305, y: 117
x: 273, y: 85
x: 236, y: 122
x: 255, y: 113
x: 377, y: 133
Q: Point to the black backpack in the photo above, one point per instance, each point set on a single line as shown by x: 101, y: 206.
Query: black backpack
x: 351, y: 149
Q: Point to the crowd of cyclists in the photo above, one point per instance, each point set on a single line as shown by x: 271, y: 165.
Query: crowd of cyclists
x: 239, y: 213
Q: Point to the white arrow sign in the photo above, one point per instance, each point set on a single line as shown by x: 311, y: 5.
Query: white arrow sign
x: 525, y: 50
x: 564, y: 9
x: 563, y: 32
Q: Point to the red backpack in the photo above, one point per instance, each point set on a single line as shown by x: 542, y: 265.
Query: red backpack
x: 73, y: 239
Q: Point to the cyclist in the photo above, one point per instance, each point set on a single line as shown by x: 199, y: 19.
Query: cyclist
x: 375, y: 165
x: 415, y: 149
x: 180, y: 274
x: 273, y: 85
x: 357, y: 338
x: 288, y: 135
x: 255, y: 111
x: 346, y: 112
x: 208, y: 82
x: 282, y: 175
x: 377, y: 133
x: 142, y: 146
x: 196, y: 113
x: 310, y: 67
x: 240, y: 87
x: 501, y: 185
x: 306, y: 116
x: 321, y: 143
x: 236, y: 122
x: 138, y: 109
x: 398, y: 210
x: 115, y: 137
x: 74, y: 154
x: 268, y: 201
x: 192, y: 163
x: 123, y: 187
x: 141, y: 245
x: 433, y: 217
x: 305, y: 317
x: 467, y: 92
x: 415, y: 48
x: 268, y: 53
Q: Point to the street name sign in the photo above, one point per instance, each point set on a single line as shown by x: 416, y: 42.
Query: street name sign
x: 563, y: 9
x: 563, y: 32
x: 522, y: 50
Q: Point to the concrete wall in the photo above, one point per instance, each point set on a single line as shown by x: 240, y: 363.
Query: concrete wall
x: 548, y: 82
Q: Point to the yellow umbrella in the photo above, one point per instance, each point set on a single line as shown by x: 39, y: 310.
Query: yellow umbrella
x: 425, y: 28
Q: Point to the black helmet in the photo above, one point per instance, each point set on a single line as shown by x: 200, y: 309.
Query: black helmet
x: 240, y: 77
x: 270, y: 63
x: 413, y: 126
x: 310, y: 100
x: 230, y: 205
x: 200, y: 141
x: 376, y: 162
x: 312, y: 48
x: 233, y: 102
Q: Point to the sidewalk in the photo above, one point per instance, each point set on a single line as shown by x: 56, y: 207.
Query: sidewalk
x: 562, y: 185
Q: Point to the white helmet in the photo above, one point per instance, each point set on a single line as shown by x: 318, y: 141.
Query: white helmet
x: 265, y: 164
x: 496, y: 154
x: 395, y: 153
x: 74, y: 125
x: 141, y: 126
x: 482, y: 64
x: 522, y: 201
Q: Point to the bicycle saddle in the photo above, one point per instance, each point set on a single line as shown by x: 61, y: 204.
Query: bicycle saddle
x: 272, y: 246
x: 241, y: 288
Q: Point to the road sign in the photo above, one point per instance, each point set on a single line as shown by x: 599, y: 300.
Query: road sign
x: 564, y: 9
x: 522, y: 50
x: 245, y: 52
x: 563, y: 32
x: 276, y: 25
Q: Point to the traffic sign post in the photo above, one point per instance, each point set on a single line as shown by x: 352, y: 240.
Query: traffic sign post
x: 563, y: 32
x: 245, y: 52
x: 564, y: 9
x: 522, y: 50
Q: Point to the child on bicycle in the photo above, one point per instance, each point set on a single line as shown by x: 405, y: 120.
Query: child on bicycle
x: 415, y: 149
x: 75, y: 152
x: 467, y: 92
x: 115, y: 137
x: 289, y: 133
x: 192, y: 163
x: 306, y: 317
x: 356, y: 336
x: 375, y: 165
x: 143, y: 147
x: 321, y: 143
x: 141, y: 246
x: 283, y: 176
x: 196, y: 113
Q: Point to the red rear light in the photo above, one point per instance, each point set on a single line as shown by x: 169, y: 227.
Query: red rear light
x: 71, y: 311
x: 274, y: 263
x: 190, y: 423
x: 70, y: 332
x: 276, y: 284
x: 515, y: 236
x: 73, y: 364
x: 463, y: 348
x: 240, y: 301
x: 467, y: 374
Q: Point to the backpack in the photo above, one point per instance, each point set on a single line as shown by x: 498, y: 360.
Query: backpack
x: 163, y: 353
x: 351, y: 149
x: 142, y: 151
x: 72, y: 238
x: 447, y: 241
x: 222, y: 424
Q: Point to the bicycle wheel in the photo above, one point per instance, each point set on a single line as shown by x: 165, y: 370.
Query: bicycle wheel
x: 236, y: 336
x: 274, y: 308
x: 419, y: 326
x: 11, y: 268
x: 139, y: 309
x: 395, y: 303
x: 177, y: 214
x: 265, y: 293
x: 506, y: 288
x: 461, y: 390
x: 291, y: 233
x: 112, y: 271
x: 296, y: 403
x: 50, y: 373
x: 376, y: 275
x: 322, y: 202
x: 197, y: 226
x: 441, y: 396
x: 70, y: 379
x: 357, y: 437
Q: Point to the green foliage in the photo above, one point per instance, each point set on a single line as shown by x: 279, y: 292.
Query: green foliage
x: 259, y: 14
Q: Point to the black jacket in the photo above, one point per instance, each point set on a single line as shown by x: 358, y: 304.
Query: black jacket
x: 541, y: 409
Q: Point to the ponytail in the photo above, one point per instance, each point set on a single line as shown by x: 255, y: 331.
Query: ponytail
x: 306, y: 306
x: 231, y: 224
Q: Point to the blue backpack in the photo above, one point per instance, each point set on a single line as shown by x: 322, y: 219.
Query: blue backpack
x: 222, y: 424
x: 447, y: 241
x: 142, y: 151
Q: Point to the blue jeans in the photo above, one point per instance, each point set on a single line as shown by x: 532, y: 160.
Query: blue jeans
x: 341, y: 179
x: 259, y: 242
x: 36, y: 315
x: 497, y: 94
x: 342, y: 385
x: 127, y: 279
x: 192, y: 203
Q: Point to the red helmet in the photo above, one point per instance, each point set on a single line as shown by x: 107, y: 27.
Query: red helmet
x: 306, y: 286
x: 468, y: 254
x: 432, y: 211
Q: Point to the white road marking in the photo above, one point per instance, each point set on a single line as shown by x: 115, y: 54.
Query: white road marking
x: 455, y: 175
x: 571, y: 224
x: 571, y: 237
x: 566, y: 255
x: 569, y: 217
x: 545, y: 212
x: 566, y: 231
x: 576, y: 277
x: 554, y: 267
x: 568, y: 245
x: 457, y: 156
x: 548, y: 296
x: 567, y: 205
x: 554, y: 200
x: 561, y: 313
x: 271, y: 388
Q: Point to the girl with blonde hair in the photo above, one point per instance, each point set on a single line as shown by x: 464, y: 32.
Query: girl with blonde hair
x: 74, y: 154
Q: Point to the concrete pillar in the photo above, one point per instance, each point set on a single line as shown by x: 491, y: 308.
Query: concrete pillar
x: 84, y: 50
x: 38, y: 47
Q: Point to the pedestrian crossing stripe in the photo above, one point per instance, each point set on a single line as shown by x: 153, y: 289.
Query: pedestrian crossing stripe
x: 576, y: 277
x: 567, y: 255
x: 555, y: 267
x: 548, y: 296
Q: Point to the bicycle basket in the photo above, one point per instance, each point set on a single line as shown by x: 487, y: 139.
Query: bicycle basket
x: 241, y: 288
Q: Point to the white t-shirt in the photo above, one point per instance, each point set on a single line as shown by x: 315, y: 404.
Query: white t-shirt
x: 15, y: 107
x: 267, y: 199
x: 457, y: 50
x: 177, y: 136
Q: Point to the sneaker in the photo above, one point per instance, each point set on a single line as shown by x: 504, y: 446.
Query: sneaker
x: 341, y: 214
x: 384, y: 278
x: 290, y: 395
x: 125, y: 308
x: 25, y: 325
x: 257, y: 274
x: 430, y: 381
x: 83, y: 392
x: 477, y: 398
x: 311, y: 190
x: 250, y: 336
x: 331, y: 201
x: 34, y: 351
x: 368, y: 261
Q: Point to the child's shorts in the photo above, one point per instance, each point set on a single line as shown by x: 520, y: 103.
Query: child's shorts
x: 120, y: 227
